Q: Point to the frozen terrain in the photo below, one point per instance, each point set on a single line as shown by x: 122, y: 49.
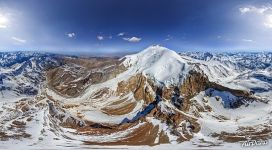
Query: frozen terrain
x: 155, y: 99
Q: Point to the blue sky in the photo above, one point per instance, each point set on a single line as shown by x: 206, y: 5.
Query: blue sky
x: 116, y: 26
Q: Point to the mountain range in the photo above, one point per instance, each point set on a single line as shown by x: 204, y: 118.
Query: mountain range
x: 153, y: 99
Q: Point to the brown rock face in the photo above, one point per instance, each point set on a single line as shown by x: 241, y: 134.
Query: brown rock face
x: 138, y: 86
x: 198, y: 81
x: 238, y: 93
x: 194, y: 83
x: 76, y: 74
x: 92, y: 62
x: 245, y: 133
x: 167, y: 93
x: 143, y: 135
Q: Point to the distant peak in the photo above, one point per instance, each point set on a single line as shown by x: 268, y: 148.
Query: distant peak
x: 156, y: 46
x: 156, y: 49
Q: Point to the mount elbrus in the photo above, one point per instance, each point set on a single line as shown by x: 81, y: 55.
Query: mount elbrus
x: 155, y: 97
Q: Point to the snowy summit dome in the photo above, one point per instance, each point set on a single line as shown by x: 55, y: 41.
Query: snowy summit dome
x: 160, y: 63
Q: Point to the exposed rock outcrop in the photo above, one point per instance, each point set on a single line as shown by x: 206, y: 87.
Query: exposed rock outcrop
x: 193, y: 84
x: 77, y: 74
x: 139, y: 86
x: 66, y: 119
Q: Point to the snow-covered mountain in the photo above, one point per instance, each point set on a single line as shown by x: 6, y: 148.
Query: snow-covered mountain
x: 21, y: 73
x: 250, y: 71
x: 159, y: 63
x: 242, y: 60
x: 156, y: 98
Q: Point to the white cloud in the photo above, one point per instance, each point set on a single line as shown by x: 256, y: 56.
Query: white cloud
x: 247, y: 40
x: 99, y: 37
x: 268, y: 21
x: 253, y: 9
x: 3, y: 21
x: 265, y: 12
x: 244, y: 10
x: 104, y: 37
x: 121, y: 34
x: 71, y: 35
x: 133, y: 39
x: 19, y: 40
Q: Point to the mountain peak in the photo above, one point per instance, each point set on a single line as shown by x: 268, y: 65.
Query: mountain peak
x: 156, y: 49
x: 160, y: 63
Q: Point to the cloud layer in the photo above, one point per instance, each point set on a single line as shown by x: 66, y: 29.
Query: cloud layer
x: 264, y: 11
x: 19, y: 40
